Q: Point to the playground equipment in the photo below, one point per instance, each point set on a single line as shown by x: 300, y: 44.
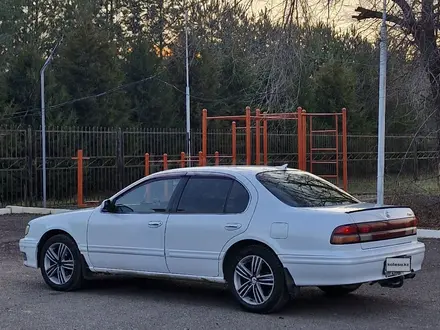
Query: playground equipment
x: 302, y: 117
x: 260, y: 122
x: 334, y: 132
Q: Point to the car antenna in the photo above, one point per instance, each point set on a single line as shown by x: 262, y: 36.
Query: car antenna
x: 283, y: 167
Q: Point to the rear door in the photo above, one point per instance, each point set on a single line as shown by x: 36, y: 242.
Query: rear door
x: 212, y: 210
x: 389, y: 225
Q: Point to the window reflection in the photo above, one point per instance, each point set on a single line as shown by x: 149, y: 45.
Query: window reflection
x: 301, y: 189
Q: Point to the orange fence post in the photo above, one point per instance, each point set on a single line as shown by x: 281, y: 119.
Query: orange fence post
x: 344, y: 149
x: 337, y: 147
x: 265, y: 141
x: 79, y: 177
x: 147, y: 164
x: 257, y: 137
x: 300, y: 137
x: 248, y: 136
x: 182, y: 159
x: 200, y: 158
x: 165, y: 162
x: 204, y: 133
x: 234, y: 143
x: 165, y: 167
x: 304, y: 140
x: 217, y: 158
x: 310, y: 143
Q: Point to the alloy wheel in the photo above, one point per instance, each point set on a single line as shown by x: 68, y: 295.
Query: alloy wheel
x: 59, y: 263
x: 254, y: 280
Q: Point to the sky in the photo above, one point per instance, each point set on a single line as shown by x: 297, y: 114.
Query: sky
x: 341, y: 11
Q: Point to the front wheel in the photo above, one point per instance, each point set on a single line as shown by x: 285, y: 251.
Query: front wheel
x: 257, y: 280
x: 339, y: 290
x: 60, y: 263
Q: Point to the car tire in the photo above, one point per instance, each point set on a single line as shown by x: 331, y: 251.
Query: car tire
x: 254, y: 292
x: 339, y: 290
x: 61, y: 264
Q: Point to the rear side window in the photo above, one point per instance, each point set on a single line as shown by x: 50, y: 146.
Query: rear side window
x: 300, y: 189
x: 214, y: 195
x: 238, y: 199
x: 205, y: 195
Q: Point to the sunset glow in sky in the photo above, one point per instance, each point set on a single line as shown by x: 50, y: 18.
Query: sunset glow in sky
x: 340, y: 13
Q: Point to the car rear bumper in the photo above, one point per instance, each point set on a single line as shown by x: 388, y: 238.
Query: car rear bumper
x: 28, y: 248
x: 359, y: 266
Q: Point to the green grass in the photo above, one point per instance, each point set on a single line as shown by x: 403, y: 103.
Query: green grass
x: 425, y: 185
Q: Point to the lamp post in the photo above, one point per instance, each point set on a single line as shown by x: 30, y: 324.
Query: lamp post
x: 382, y: 106
x: 188, y: 105
x: 43, y: 119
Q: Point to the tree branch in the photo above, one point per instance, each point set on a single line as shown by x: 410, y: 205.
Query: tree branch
x: 408, y: 14
x: 365, y: 13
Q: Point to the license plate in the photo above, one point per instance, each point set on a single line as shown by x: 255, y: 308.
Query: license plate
x: 395, y: 266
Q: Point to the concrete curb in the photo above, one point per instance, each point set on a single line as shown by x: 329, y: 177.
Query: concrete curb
x: 428, y: 233
x: 5, y: 211
x: 11, y: 209
x: 421, y: 233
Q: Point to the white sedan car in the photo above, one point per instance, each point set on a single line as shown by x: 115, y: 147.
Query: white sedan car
x: 265, y: 231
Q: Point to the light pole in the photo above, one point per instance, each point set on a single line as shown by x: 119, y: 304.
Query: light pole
x: 382, y: 106
x: 43, y: 119
x: 188, y: 105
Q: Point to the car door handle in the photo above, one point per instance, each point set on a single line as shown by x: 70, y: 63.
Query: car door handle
x: 155, y: 224
x: 232, y: 226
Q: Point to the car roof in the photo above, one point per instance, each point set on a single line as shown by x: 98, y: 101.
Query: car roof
x: 246, y: 170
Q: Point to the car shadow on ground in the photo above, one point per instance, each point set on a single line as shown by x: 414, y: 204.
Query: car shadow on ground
x: 310, y: 302
x: 313, y: 302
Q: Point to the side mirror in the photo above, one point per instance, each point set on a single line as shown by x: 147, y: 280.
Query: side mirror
x: 108, y: 206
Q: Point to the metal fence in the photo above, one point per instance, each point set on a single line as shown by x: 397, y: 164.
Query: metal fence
x: 116, y: 158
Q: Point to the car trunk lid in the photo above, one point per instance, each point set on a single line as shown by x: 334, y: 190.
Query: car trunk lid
x: 381, y: 226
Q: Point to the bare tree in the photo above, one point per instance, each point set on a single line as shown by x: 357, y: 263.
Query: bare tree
x: 419, y: 22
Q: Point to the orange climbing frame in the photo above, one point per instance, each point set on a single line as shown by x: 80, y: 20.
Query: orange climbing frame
x: 259, y: 118
x: 332, y: 133
x: 302, y: 118
x: 300, y: 115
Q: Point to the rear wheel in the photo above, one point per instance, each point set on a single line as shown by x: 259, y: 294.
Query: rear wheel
x: 60, y: 263
x: 339, y: 290
x: 256, y: 279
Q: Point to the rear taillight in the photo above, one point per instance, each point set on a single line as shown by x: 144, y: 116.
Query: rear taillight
x: 374, y: 231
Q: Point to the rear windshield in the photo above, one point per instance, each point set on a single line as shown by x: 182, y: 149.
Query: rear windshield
x: 300, y: 189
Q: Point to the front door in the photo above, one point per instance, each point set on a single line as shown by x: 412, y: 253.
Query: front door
x: 132, y: 238
x: 211, y: 211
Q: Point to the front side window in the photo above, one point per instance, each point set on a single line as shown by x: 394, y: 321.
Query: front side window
x: 149, y: 197
x: 205, y: 195
x: 300, y: 189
